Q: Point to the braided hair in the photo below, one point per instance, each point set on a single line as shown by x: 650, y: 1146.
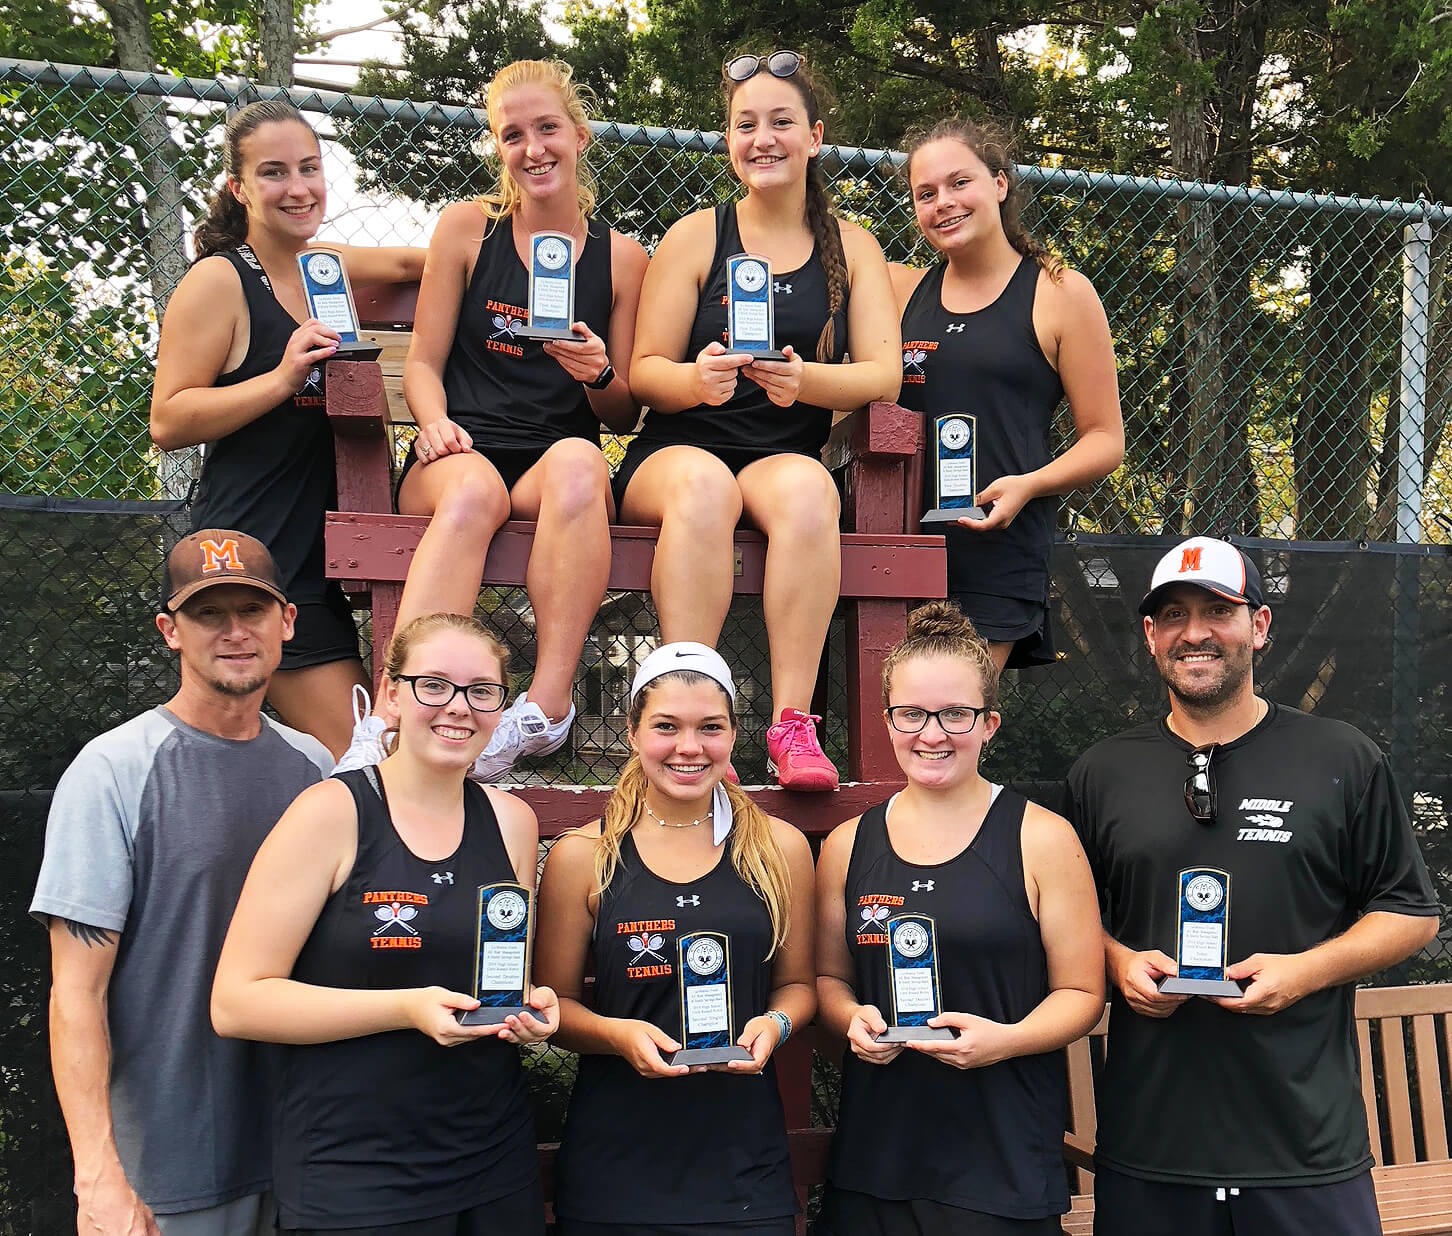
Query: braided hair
x: 826, y: 233
x: 226, y: 224
x: 992, y: 145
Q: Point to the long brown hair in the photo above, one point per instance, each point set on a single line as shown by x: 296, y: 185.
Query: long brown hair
x: 992, y: 145
x: 754, y: 851
x: 940, y: 629
x: 225, y: 226
x: 505, y: 198
x: 820, y: 220
x: 408, y: 637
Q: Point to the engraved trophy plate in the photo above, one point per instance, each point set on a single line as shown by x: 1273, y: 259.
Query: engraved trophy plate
x: 750, y: 313
x: 953, y: 449
x: 912, y: 969
x: 329, y: 298
x: 501, y: 955
x: 551, y: 287
x: 1202, y: 936
x: 706, y: 1007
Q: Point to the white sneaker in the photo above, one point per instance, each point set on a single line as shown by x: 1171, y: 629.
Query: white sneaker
x: 367, y: 745
x: 523, y: 730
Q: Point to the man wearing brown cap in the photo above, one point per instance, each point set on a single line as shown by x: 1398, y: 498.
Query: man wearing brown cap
x: 1253, y: 862
x: 151, y: 832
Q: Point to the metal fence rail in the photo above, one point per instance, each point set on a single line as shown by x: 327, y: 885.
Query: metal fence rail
x: 1283, y: 356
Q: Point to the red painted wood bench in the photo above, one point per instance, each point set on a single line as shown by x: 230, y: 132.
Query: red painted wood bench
x: 875, y: 451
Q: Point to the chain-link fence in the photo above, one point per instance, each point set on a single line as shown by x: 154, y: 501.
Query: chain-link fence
x: 1283, y: 369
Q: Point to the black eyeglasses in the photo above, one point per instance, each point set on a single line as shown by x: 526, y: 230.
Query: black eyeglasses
x: 778, y: 64
x: 435, y: 692
x: 959, y: 719
x: 1200, y: 785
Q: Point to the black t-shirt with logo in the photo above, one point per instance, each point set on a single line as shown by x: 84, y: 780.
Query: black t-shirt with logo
x: 1313, y: 834
x: 704, y: 1148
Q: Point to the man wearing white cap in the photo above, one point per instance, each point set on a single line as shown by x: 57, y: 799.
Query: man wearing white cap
x: 1246, y: 843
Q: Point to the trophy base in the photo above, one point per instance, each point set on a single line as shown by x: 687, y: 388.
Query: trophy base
x: 909, y: 1034
x: 358, y: 350
x: 1225, y: 988
x: 545, y: 332
x: 757, y: 353
x: 487, y: 1015
x: 943, y: 515
x: 707, y: 1055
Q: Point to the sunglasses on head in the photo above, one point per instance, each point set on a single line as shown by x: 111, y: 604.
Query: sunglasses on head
x: 1200, y: 785
x: 778, y: 64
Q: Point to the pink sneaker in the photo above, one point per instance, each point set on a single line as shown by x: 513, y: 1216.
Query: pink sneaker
x: 794, y: 755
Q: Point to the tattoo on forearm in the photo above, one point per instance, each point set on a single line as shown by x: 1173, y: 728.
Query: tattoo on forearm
x: 88, y: 935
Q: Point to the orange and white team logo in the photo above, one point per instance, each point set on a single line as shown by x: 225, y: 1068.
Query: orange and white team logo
x: 1190, y: 560
x: 221, y: 556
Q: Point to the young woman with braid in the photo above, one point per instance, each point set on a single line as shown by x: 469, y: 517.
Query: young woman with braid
x: 508, y: 426
x: 240, y: 368
x: 727, y: 436
x: 999, y: 329
x: 962, y: 1136
x: 651, y: 1148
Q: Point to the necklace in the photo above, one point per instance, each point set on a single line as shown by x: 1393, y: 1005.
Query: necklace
x: 668, y: 824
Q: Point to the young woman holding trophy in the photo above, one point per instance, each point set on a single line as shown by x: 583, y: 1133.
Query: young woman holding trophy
x: 995, y: 335
x: 366, y: 921
x: 748, y: 315
x: 693, y: 909
x: 958, y: 951
x: 509, y: 412
x: 240, y: 367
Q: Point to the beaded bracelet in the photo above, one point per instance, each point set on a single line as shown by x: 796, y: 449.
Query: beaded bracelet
x: 784, y: 1024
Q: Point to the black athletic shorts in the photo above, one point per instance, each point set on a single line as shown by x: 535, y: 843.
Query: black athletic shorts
x: 517, y: 1214
x: 511, y: 462
x: 846, y: 1213
x: 785, y: 1226
x: 1011, y: 620
x: 1127, y: 1206
x: 324, y: 632
x: 638, y: 452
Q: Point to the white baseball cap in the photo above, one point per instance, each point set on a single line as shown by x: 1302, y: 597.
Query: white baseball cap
x: 1215, y: 565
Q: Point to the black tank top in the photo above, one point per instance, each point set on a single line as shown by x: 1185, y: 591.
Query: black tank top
x: 706, y: 1148
x: 984, y: 1139
x: 507, y: 391
x: 275, y: 476
x: 392, y: 1127
x: 988, y: 363
x: 749, y: 420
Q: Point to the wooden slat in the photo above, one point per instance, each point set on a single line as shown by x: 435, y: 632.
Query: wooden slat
x: 1082, y: 1119
x: 1429, y: 998
x: 1368, y: 1088
x: 1429, y: 1087
x: 1397, y: 1095
x: 385, y: 304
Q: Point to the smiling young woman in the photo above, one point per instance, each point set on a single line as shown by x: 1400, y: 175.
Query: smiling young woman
x: 352, y: 940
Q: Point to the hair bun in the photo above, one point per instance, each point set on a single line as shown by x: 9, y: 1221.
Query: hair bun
x: 940, y: 620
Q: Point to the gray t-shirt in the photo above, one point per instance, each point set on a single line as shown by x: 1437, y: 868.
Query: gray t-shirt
x: 151, y: 832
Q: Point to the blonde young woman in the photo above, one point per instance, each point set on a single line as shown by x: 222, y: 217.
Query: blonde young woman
x: 510, y: 427
x: 727, y: 436
x: 240, y: 367
x: 959, y: 1136
x: 651, y: 1147
x: 353, y: 943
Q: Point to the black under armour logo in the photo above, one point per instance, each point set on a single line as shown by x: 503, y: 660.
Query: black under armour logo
x: 957, y: 328
x: 442, y: 877
x: 692, y: 900
x: 781, y: 289
x: 922, y: 886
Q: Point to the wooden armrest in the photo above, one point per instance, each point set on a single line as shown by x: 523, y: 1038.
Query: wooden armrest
x: 878, y: 450
x: 882, y: 431
x: 1078, y: 1152
x: 358, y: 415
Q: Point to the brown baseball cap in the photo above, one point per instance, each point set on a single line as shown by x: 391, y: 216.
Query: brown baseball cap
x: 218, y: 556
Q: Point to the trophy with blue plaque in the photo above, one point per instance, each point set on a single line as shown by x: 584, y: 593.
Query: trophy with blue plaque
x: 501, y: 955
x: 551, y: 287
x: 1202, y: 936
x: 750, y: 315
x: 706, y: 1008
x: 329, y: 298
x: 912, y: 967
x: 953, y: 452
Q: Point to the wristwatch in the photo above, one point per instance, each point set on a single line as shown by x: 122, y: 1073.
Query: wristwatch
x: 607, y: 376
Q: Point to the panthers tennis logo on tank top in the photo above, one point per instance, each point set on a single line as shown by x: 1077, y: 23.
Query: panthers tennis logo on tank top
x: 507, y: 319
x: 914, y: 353
x: 873, y: 911
x: 396, y: 913
x: 651, y: 945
